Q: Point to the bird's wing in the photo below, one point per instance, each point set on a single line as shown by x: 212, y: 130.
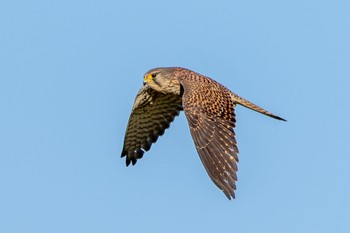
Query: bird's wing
x: 210, y: 114
x: 151, y: 115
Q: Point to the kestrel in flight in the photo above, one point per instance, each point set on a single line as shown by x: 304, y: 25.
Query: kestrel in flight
x: 209, y: 109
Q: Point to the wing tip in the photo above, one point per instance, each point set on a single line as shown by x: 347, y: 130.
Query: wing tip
x: 230, y: 195
x: 131, y: 158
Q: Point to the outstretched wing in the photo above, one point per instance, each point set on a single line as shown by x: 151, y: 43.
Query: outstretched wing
x: 210, y: 114
x: 151, y: 115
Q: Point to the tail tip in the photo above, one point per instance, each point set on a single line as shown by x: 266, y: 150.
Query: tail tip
x: 278, y: 118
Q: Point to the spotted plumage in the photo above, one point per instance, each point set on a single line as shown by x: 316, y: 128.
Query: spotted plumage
x: 209, y: 109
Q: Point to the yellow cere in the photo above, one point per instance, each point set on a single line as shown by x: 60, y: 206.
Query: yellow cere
x: 147, y: 78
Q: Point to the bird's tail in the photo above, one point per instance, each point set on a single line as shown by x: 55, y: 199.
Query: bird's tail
x: 239, y: 100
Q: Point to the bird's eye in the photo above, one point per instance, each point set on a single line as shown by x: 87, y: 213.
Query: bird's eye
x: 154, y: 75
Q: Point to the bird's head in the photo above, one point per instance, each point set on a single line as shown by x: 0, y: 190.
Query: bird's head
x: 163, y: 80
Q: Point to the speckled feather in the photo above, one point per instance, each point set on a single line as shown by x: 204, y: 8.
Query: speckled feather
x: 210, y: 113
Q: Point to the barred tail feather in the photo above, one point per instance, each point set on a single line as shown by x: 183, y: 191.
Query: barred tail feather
x: 239, y: 100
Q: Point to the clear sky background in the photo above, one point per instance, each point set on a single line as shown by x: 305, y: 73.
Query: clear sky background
x: 69, y: 73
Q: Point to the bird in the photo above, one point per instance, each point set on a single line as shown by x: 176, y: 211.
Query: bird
x: 209, y: 108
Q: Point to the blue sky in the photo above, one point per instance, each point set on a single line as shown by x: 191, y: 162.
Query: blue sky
x: 69, y: 74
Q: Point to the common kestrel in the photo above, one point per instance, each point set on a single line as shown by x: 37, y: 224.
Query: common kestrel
x: 209, y: 109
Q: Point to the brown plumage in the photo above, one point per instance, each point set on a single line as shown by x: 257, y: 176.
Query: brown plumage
x: 209, y: 109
